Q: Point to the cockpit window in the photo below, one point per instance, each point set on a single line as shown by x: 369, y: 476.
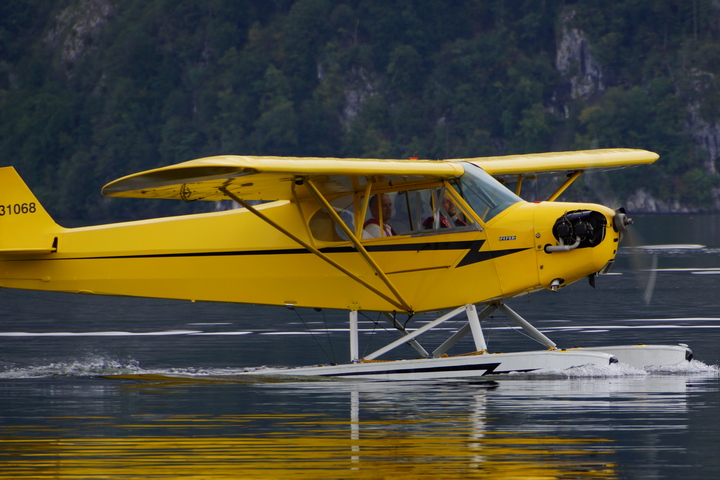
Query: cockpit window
x: 419, y: 211
x: 431, y: 210
x: 410, y: 206
x: 483, y: 193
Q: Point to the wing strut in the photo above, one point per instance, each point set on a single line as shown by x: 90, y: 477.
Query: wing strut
x: 359, y: 246
x: 314, y: 250
x: 571, y: 178
x: 518, y: 186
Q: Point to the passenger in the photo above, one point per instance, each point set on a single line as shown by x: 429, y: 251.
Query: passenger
x: 449, y: 207
x: 371, y: 228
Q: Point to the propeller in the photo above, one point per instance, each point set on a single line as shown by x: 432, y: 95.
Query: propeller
x: 643, y: 264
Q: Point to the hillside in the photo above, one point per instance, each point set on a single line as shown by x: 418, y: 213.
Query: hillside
x: 91, y: 90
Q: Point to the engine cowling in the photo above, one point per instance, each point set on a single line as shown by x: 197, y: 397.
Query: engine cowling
x: 578, y: 229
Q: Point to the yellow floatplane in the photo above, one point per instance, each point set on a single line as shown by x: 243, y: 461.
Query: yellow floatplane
x: 394, y: 236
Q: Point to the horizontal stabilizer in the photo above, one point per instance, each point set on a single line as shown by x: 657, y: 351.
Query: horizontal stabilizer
x: 26, y: 250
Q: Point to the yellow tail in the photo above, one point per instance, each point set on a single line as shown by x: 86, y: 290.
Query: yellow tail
x: 25, y: 226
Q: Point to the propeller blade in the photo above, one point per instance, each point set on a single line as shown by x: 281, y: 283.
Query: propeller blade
x: 642, y: 262
x: 650, y: 286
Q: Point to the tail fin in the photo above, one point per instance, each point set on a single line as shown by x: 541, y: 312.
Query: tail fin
x: 25, y: 226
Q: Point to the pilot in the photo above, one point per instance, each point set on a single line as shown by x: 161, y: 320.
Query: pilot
x: 371, y: 228
x: 449, y: 207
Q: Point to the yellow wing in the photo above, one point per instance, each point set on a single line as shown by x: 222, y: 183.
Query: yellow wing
x: 261, y: 178
x: 517, y: 168
x: 561, y: 162
x: 272, y: 178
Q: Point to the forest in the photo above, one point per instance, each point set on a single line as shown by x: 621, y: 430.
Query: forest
x: 92, y: 90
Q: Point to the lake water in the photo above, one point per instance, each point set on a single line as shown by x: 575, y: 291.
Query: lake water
x: 95, y: 387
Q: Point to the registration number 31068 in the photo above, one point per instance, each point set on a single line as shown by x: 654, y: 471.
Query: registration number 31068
x: 17, y: 208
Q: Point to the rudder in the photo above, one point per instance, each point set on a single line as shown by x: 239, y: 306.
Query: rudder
x: 25, y: 225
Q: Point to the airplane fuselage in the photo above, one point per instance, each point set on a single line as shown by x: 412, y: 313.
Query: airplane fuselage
x: 235, y: 256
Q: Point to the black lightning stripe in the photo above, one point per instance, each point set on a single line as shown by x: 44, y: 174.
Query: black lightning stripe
x: 474, y: 254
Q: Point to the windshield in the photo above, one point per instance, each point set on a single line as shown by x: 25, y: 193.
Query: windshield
x: 483, y: 193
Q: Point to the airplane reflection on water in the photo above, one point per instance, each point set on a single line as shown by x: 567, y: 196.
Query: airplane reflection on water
x: 448, y: 428
x: 422, y: 440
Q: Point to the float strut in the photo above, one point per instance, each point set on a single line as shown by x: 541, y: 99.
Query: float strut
x: 467, y: 328
x: 354, y: 344
x: 474, y: 322
x: 525, y: 325
x: 413, y: 343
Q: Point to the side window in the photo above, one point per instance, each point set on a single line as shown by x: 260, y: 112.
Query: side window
x: 324, y: 228
x: 445, y: 213
x: 431, y: 210
x: 408, y: 212
x: 378, y: 221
